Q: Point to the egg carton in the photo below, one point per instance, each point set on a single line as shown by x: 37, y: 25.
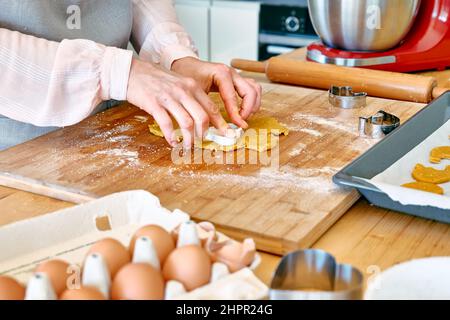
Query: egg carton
x: 69, y: 233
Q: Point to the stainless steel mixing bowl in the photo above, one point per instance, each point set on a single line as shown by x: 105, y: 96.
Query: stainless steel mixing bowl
x: 363, y: 25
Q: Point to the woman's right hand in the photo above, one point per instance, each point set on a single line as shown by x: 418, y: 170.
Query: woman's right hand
x: 163, y: 94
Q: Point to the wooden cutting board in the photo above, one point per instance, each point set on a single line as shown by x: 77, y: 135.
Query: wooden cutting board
x: 283, y: 208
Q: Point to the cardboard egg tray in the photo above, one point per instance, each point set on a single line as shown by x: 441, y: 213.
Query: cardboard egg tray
x: 68, y: 234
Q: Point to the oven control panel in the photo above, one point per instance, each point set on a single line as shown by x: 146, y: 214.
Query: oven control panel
x: 285, y: 19
x: 283, y: 28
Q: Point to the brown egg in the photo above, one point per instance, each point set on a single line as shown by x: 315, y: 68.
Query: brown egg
x: 57, y: 272
x: 113, y: 252
x: 138, y: 281
x: 10, y: 289
x: 83, y: 293
x: 162, y: 240
x: 189, y: 265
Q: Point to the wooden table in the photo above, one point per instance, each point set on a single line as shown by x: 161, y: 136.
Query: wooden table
x: 370, y: 238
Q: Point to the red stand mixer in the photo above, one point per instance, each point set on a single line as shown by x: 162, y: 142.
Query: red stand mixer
x: 425, y: 44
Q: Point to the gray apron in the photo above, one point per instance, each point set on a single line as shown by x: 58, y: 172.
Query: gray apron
x: 104, y: 21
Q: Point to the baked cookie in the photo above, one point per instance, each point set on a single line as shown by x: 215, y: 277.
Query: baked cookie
x: 439, y: 153
x: 424, y: 186
x: 431, y: 175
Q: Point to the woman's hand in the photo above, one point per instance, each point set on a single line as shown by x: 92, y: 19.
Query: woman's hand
x: 163, y: 94
x: 219, y: 77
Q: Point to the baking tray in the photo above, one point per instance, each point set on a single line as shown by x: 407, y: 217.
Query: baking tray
x: 390, y: 150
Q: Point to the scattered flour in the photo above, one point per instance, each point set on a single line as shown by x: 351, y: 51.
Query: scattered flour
x: 123, y: 152
x: 116, y: 130
x: 123, y: 156
x: 363, y: 144
x: 115, y: 145
x: 119, y: 139
x: 311, y: 179
x: 311, y: 132
x: 297, y: 150
x: 347, y: 127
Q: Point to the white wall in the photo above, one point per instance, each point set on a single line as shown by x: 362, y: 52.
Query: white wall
x: 221, y: 30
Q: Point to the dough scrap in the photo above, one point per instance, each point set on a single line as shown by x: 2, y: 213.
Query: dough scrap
x: 424, y: 186
x: 440, y: 153
x: 155, y: 130
x: 262, y: 135
x: 431, y: 175
x: 267, y: 123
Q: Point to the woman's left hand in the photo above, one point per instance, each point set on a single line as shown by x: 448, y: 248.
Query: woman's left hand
x: 225, y: 80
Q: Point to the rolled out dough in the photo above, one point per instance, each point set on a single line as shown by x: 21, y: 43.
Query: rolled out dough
x: 260, y: 136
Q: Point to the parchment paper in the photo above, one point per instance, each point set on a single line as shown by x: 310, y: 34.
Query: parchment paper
x: 390, y: 180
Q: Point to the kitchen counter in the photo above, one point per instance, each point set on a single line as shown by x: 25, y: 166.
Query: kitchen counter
x: 370, y: 238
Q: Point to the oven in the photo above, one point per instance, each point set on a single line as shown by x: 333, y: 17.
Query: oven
x: 284, y: 25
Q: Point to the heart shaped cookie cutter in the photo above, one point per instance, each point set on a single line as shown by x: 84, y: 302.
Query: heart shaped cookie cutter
x: 315, y: 275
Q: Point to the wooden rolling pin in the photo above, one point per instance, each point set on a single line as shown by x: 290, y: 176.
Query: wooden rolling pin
x: 384, y: 84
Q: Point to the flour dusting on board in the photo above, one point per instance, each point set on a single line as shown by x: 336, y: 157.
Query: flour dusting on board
x: 119, y: 139
x: 115, y: 130
x: 311, y: 132
x: 348, y: 127
x: 311, y: 179
x: 318, y: 179
x: 117, y: 146
x: 363, y: 144
x: 125, y: 156
x: 297, y: 150
x: 114, y: 146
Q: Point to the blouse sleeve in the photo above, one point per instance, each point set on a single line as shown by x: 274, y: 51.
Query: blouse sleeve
x: 47, y: 83
x: 157, y: 35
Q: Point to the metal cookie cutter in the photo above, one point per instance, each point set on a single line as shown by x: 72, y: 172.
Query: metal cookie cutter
x: 315, y: 275
x: 378, y: 125
x: 345, y: 98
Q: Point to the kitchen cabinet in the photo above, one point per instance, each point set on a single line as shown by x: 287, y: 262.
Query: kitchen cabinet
x: 234, y: 30
x: 221, y: 30
x: 194, y: 16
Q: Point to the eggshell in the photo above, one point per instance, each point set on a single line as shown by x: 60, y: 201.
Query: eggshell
x: 113, y: 252
x: 10, y: 289
x: 189, y: 265
x: 56, y: 271
x: 162, y: 240
x: 138, y: 281
x: 236, y: 255
x: 83, y: 293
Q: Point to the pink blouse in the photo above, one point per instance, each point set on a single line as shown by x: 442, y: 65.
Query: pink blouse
x: 47, y: 83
